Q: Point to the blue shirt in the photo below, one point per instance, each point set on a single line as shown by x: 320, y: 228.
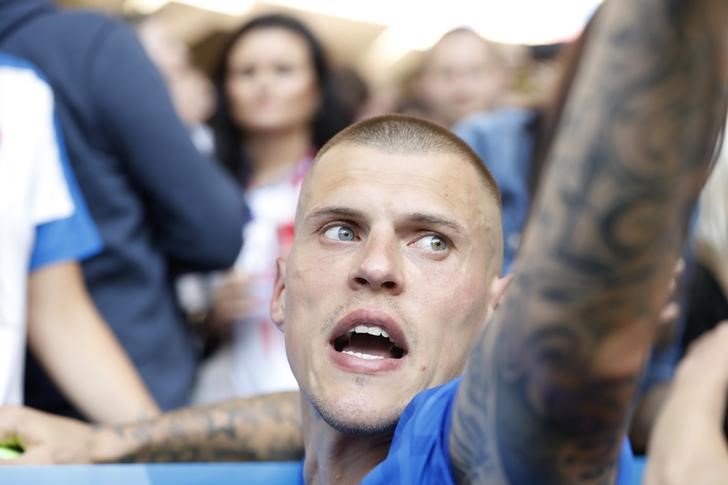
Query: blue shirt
x: 419, y: 452
x: 73, y: 238
x: 504, y: 142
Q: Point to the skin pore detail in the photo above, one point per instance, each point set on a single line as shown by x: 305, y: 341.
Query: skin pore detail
x: 550, y: 402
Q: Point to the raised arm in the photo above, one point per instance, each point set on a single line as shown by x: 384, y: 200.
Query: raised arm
x: 550, y: 402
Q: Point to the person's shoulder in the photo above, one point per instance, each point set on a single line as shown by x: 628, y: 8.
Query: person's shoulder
x: 18, y: 71
x: 10, y: 62
x: 493, y: 120
x: 79, y: 17
x: 78, y: 30
x: 27, y: 82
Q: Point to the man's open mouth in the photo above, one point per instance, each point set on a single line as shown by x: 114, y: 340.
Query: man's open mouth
x: 369, y: 342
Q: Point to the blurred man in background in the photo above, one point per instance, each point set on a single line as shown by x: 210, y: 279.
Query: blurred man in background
x: 462, y: 74
x: 156, y: 202
x: 192, y: 93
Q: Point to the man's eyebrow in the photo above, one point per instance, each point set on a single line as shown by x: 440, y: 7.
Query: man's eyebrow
x: 435, y: 220
x: 416, y: 217
x: 338, y: 212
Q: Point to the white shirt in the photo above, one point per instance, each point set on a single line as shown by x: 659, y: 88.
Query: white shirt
x: 256, y: 362
x: 33, y: 192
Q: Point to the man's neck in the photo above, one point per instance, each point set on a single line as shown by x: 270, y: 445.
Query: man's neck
x: 335, y: 457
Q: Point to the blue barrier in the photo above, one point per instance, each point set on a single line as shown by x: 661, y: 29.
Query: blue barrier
x: 155, y: 474
x: 174, y: 474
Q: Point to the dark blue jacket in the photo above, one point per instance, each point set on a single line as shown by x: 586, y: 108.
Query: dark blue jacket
x: 155, y: 200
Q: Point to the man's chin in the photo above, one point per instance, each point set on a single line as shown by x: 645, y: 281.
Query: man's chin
x: 358, y: 419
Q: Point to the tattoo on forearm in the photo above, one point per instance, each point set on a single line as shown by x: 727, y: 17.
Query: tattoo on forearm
x: 549, y: 403
x: 266, y: 428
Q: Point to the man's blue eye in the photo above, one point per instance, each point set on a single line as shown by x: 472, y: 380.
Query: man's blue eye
x: 340, y: 233
x: 432, y: 242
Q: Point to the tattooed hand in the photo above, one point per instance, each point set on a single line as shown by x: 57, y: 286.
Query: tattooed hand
x: 46, y: 439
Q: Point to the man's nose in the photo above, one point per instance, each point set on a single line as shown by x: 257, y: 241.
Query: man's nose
x: 378, y: 266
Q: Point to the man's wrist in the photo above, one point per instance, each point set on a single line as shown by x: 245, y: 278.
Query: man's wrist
x: 109, y: 445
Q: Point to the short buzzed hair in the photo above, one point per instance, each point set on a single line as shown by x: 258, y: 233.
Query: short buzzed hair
x: 403, y: 134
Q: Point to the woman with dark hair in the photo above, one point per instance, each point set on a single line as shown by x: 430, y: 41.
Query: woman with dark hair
x: 276, y: 107
x: 247, y: 118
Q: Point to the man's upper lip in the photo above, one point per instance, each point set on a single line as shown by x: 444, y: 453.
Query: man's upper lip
x: 371, y: 318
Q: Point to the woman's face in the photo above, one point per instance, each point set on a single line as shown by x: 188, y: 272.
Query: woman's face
x: 271, y: 84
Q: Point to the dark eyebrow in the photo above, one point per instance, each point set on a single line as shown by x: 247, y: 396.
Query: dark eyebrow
x: 338, y: 212
x: 417, y: 217
x: 435, y: 220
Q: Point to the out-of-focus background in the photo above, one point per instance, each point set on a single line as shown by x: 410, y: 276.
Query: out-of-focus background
x: 383, y: 40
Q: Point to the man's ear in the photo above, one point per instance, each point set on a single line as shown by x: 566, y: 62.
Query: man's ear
x: 278, y: 300
x: 498, y: 290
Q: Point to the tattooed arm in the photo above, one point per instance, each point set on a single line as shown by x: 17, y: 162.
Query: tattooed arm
x: 550, y: 402
x: 263, y: 428
x: 259, y: 428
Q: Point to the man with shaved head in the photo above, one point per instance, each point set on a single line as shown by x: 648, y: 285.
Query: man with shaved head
x: 391, y: 277
x: 387, y: 294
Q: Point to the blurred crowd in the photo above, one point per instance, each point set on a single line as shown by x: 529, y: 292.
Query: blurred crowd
x: 187, y: 184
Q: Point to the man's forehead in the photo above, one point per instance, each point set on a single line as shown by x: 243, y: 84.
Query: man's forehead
x: 445, y: 174
x: 376, y: 165
x: 347, y: 155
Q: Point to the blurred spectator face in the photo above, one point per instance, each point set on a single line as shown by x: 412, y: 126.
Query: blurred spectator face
x: 271, y: 83
x: 168, y: 53
x: 462, y: 76
x: 192, y: 93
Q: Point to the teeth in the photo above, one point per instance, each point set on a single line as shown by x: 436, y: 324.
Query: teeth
x: 376, y: 331
x: 363, y: 356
